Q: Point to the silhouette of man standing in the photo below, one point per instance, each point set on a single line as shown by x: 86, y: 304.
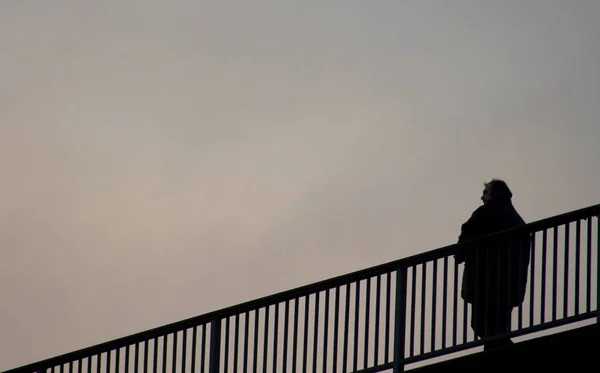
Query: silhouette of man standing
x: 495, y: 273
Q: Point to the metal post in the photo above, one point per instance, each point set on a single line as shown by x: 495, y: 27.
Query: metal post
x: 598, y: 268
x: 215, y: 346
x: 400, y: 320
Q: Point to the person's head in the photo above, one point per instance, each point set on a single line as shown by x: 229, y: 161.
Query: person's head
x: 495, y: 188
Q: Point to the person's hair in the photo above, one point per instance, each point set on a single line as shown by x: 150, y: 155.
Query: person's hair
x: 499, y: 188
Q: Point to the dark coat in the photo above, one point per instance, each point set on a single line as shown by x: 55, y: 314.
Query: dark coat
x: 497, y: 269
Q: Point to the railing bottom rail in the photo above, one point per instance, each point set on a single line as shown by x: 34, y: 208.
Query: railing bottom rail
x: 480, y: 342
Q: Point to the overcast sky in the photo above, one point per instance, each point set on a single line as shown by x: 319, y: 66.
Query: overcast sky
x: 160, y: 160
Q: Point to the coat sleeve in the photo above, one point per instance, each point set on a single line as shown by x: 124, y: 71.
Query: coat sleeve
x: 472, y: 228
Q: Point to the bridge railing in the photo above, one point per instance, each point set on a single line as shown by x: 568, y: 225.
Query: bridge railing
x: 561, y: 285
x: 373, y: 320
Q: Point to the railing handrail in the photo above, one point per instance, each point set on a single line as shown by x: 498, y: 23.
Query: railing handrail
x: 534, y: 226
x: 305, y: 290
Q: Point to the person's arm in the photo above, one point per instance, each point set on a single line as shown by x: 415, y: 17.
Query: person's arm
x: 469, y: 230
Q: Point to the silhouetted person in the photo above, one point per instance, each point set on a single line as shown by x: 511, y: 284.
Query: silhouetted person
x: 495, y: 272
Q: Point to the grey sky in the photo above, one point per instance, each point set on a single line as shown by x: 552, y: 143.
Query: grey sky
x: 165, y: 159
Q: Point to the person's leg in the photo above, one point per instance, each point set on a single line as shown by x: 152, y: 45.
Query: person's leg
x: 478, y: 323
x: 485, y: 322
x: 481, y: 320
x: 491, y: 327
x: 499, y: 325
x: 503, y: 324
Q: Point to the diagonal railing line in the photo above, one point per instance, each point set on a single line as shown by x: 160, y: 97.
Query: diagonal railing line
x: 395, y: 268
